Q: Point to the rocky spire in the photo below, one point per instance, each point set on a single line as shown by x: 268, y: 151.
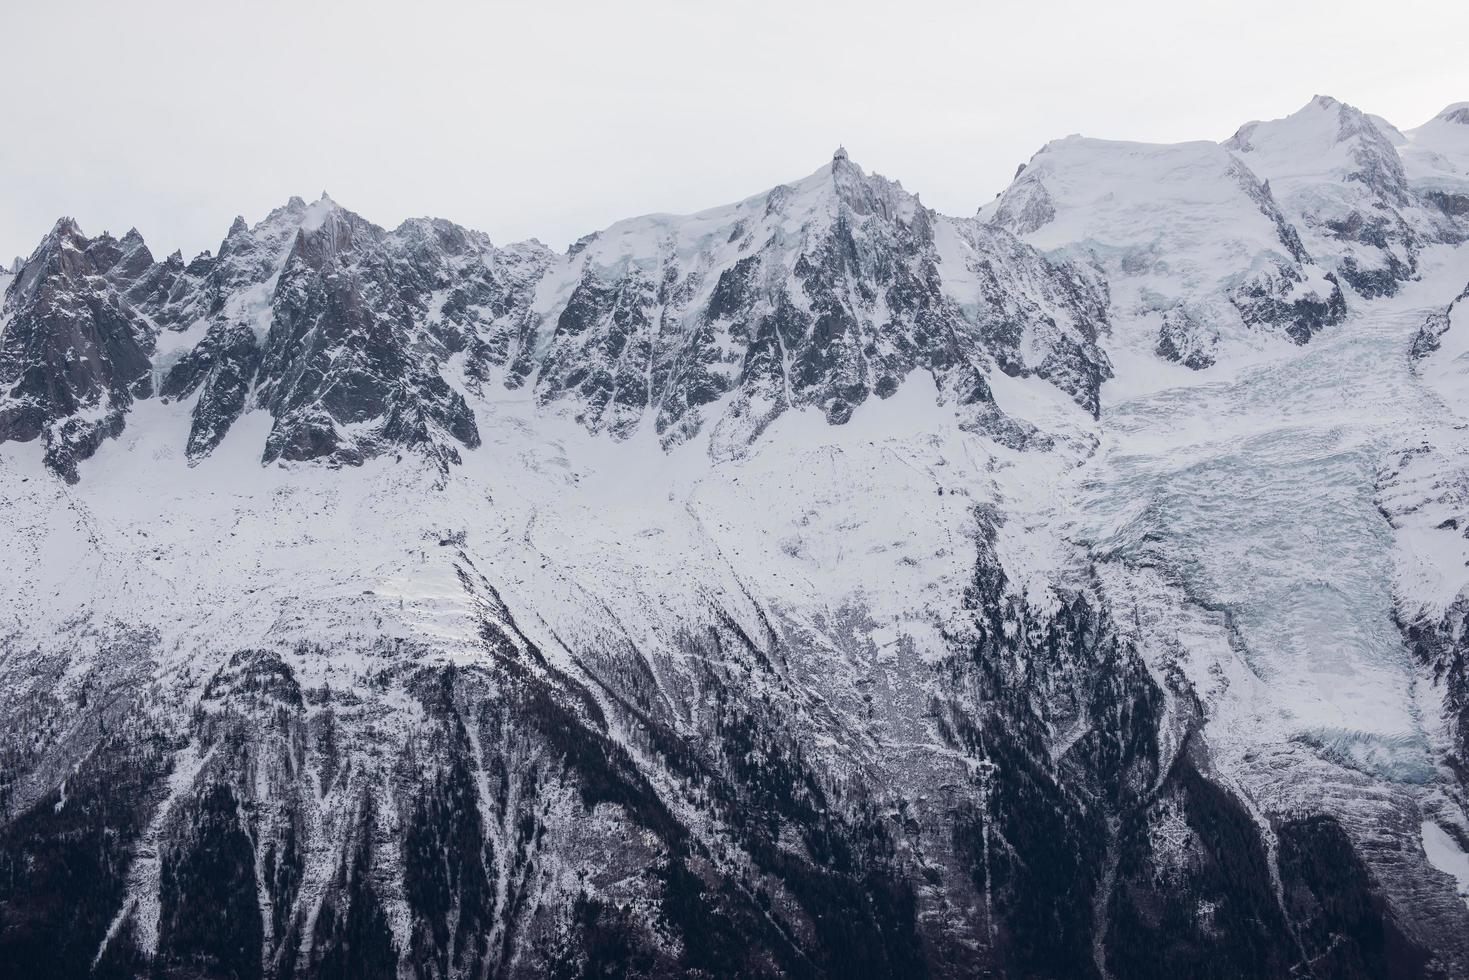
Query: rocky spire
x: 74, y: 355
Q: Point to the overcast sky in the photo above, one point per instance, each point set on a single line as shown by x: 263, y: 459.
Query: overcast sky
x: 552, y: 119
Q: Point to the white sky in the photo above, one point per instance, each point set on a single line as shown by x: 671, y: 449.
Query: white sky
x: 553, y: 118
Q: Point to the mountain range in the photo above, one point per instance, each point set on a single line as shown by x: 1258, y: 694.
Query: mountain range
x: 813, y: 586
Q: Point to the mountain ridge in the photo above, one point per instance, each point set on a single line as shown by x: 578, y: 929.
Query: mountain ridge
x: 816, y: 585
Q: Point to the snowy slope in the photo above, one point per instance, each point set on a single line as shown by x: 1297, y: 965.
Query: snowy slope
x: 1438, y: 147
x: 1197, y: 252
x: 1436, y: 159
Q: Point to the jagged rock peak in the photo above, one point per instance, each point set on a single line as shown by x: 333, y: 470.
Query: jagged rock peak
x: 75, y: 353
x: 65, y: 234
x: 65, y: 252
x: 820, y: 293
x: 328, y: 230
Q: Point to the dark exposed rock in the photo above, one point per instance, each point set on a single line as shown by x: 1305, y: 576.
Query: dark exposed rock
x: 1272, y: 297
x: 1442, y: 648
x: 1179, y: 341
x: 1427, y: 340
x: 313, y: 314
x: 75, y: 351
x: 601, y: 352
x: 1452, y: 204
x: 341, y: 356
x: 329, y: 330
x: 1266, y: 299
x: 822, y: 295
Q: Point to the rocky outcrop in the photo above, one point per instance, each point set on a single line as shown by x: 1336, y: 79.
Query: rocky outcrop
x: 1429, y: 338
x: 318, y: 319
x: 75, y: 350
x: 340, y: 330
x: 344, y: 370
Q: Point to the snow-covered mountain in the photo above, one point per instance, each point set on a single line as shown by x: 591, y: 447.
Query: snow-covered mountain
x: 1436, y: 160
x: 1200, y: 258
x: 823, y: 293
x: 1339, y: 176
x: 813, y: 586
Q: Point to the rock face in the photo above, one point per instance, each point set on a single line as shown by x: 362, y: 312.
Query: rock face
x: 322, y: 319
x: 75, y: 351
x: 1423, y: 491
x: 815, y: 586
